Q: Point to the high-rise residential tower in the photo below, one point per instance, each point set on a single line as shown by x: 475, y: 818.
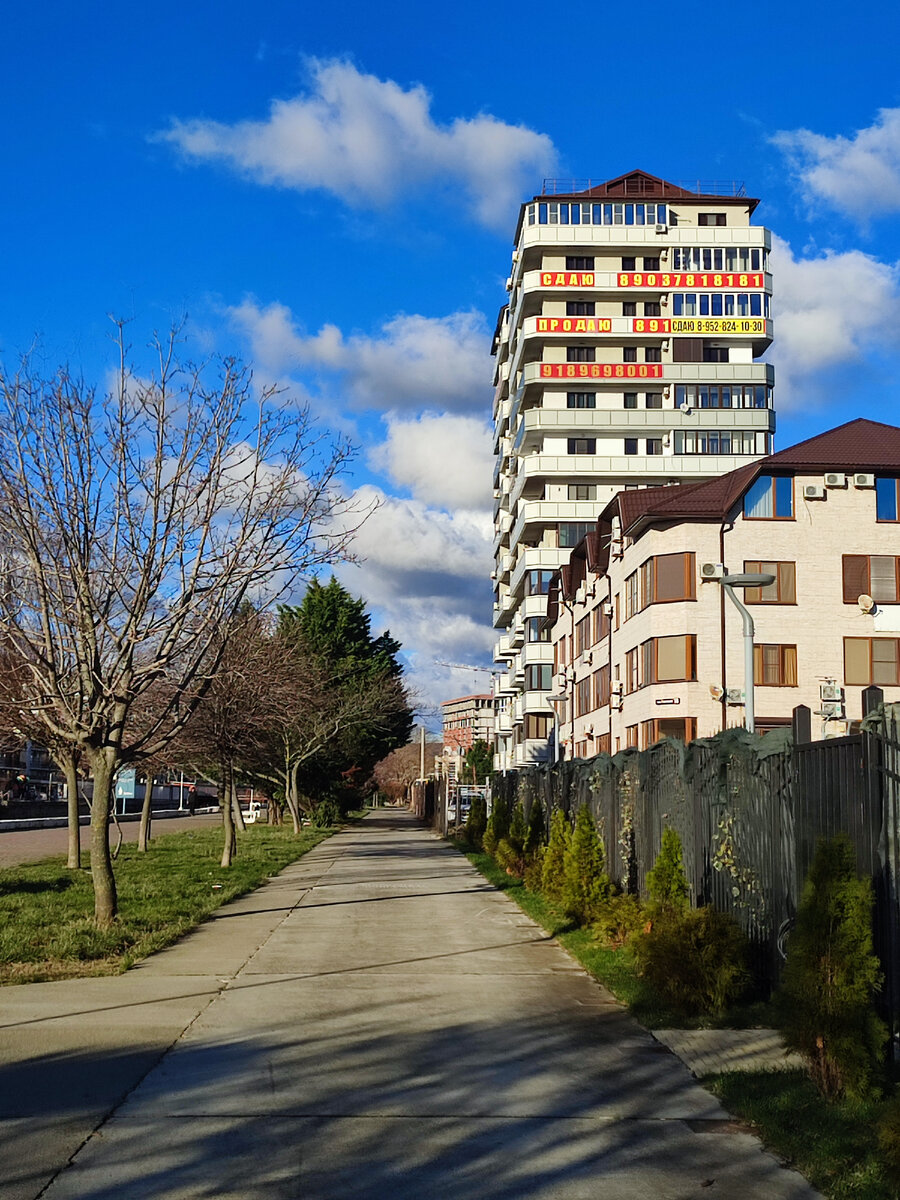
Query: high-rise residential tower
x: 626, y: 356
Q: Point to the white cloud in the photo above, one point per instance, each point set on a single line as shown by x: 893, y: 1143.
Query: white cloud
x: 369, y: 141
x: 444, y: 460
x: 413, y: 362
x: 859, y: 175
x: 830, y: 312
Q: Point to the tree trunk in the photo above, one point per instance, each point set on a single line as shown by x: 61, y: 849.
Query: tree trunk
x: 105, y: 898
x: 144, y: 830
x: 73, y: 861
x: 290, y: 796
x: 236, y: 806
x: 230, y: 844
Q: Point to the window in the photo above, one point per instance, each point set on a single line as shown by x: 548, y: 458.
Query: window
x: 631, y: 399
x: 683, y: 728
x: 582, y: 445
x: 580, y: 354
x: 715, y: 354
x: 653, y: 400
x: 687, y: 349
x: 669, y: 659
x: 886, y: 507
x: 535, y: 631
x: 571, y: 532
x: 654, y: 446
x: 771, y: 497
x: 600, y: 624
x: 581, y: 399
x: 775, y: 666
x: 537, y: 677
x: 629, y: 264
x: 653, y: 354
x: 782, y: 591
x: 710, y: 218
x: 632, y: 671
x: 629, y: 308
x: 601, y: 687
x: 580, y: 308
x: 537, y: 583
x: 629, y: 354
x: 582, y: 491
x: 871, y: 661
x: 632, y: 600
x: 631, y: 445
x: 726, y: 395
x: 651, y: 264
x: 877, y: 574
x: 583, y: 696
x: 652, y: 308
x: 667, y: 577
x: 583, y: 635
x: 538, y: 725
x: 577, y: 262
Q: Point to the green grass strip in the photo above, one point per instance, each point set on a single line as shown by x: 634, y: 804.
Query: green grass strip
x: 46, y: 926
x: 834, y: 1145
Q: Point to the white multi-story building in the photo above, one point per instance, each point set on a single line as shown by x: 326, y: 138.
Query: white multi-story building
x: 625, y: 357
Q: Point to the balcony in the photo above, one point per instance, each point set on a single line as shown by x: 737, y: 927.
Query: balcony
x: 670, y: 373
x: 638, y: 329
x: 556, y: 281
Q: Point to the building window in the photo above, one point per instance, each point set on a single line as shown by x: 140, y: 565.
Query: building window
x: 582, y: 635
x: 775, y: 666
x: 886, y: 506
x: 600, y: 628
x: 581, y: 400
x: 683, y: 728
x: 667, y: 577
x: 538, y: 726
x: 652, y: 354
x: 715, y: 354
x: 651, y: 264
x: 580, y: 308
x: 726, y: 395
x: 582, y: 445
x: 629, y: 264
x: 629, y: 354
x: 632, y: 604
x: 710, y: 218
x: 537, y: 583
x: 669, y: 659
x: 535, y: 630
x: 687, y: 349
x: 652, y: 308
x: 871, y: 661
x: 653, y: 400
x: 632, y: 671
x: 782, y: 591
x: 583, y: 696
x: 771, y: 497
x: 570, y: 533
x: 877, y: 575
x: 631, y: 445
x: 579, y: 262
x: 631, y: 399
x: 582, y: 491
x: 577, y: 354
x: 601, y: 687
x: 654, y: 445
x: 538, y: 677
x: 629, y: 308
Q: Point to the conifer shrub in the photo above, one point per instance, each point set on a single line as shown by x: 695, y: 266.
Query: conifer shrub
x: 667, y: 884
x: 497, y: 825
x: 696, y: 960
x: 534, y: 848
x: 534, y: 869
x: 889, y: 1136
x: 586, y: 885
x: 831, y: 975
x: 620, y: 919
x: 476, y: 822
x: 553, y: 870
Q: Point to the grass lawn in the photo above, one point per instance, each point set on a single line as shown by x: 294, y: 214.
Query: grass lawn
x: 46, y: 928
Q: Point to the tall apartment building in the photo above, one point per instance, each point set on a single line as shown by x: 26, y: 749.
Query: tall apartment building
x: 626, y: 356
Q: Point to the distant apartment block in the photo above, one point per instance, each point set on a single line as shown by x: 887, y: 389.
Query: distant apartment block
x: 467, y: 720
x: 627, y: 356
x: 645, y: 643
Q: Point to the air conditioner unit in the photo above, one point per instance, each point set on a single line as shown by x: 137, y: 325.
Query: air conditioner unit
x: 813, y: 491
x: 616, y: 687
x: 734, y: 696
x: 615, y: 703
x: 685, y: 406
x: 509, y: 284
x: 667, y: 392
x: 662, y: 229
x: 863, y: 480
x: 712, y: 571
x: 664, y: 300
x: 831, y: 691
x: 835, y: 479
x: 832, y: 709
x: 615, y: 547
x: 608, y: 609
x: 515, y: 256
x: 665, y: 344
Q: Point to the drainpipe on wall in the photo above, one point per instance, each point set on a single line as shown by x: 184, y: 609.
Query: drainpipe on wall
x: 729, y: 525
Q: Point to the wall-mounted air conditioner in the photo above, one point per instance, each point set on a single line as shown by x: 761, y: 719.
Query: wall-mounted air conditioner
x: 509, y: 284
x: 712, y: 571
x: 662, y: 229
x: 734, y: 696
x: 863, y: 480
x: 607, y: 608
x: 835, y: 479
x: 616, y: 687
x: 813, y: 491
x: 832, y: 710
x: 831, y: 691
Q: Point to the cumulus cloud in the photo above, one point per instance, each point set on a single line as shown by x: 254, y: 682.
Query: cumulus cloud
x: 443, y: 460
x: 369, y: 141
x: 830, y: 312
x: 412, y: 362
x: 859, y: 175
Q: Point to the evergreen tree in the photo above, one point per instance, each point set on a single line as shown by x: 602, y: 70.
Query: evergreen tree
x: 587, y: 886
x: 667, y: 883
x: 554, y: 865
x: 534, y: 837
x: 831, y: 975
x: 479, y: 762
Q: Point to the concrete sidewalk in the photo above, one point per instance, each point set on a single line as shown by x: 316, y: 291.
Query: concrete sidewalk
x: 377, y: 1022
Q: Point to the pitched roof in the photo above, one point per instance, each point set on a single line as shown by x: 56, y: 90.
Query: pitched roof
x: 858, y: 445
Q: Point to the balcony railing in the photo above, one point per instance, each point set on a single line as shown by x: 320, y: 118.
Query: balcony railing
x: 640, y: 186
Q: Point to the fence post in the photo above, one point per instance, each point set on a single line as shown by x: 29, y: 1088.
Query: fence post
x: 871, y: 698
x: 801, y: 725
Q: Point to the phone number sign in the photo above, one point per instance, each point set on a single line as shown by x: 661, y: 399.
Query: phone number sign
x: 694, y: 279
x: 601, y: 370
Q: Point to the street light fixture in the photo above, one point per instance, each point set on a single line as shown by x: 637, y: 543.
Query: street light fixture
x: 729, y: 583
x: 554, y: 700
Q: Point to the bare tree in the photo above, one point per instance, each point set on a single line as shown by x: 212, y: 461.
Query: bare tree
x: 397, y: 770
x: 133, y: 527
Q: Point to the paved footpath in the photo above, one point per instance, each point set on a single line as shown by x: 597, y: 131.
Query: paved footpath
x: 376, y: 1022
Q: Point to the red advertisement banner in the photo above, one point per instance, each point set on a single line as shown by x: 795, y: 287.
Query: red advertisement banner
x: 574, y: 324
x: 567, y: 279
x: 601, y: 370
x: 691, y: 279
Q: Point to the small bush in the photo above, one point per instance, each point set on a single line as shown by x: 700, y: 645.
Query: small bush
x: 696, y: 961
x: 476, y: 822
x: 536, y: 833
x: 620, y: 918
x: 831, y: 975
x: 667, y: 884
x: 509, y: 857
x: 534, y: 869
x: 889, y: 1136
x: 553, y: 871
x: 518, y: 830
x: 326, y: 813
x: 587, y: 886
x: 497, y: 825
x: 489, y: 841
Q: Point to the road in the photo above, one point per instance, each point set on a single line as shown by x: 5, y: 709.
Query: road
x: 27, y: 845
x: 377, y: 1023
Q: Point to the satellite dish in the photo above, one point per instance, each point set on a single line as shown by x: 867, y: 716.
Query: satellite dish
x: 716, y: 692
x: 866, y: 603
x: 684, y: 406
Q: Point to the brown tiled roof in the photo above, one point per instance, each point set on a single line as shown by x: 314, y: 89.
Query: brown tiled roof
x: 859, y: 445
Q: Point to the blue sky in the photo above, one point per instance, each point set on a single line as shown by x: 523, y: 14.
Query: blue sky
x: 331, y: 192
